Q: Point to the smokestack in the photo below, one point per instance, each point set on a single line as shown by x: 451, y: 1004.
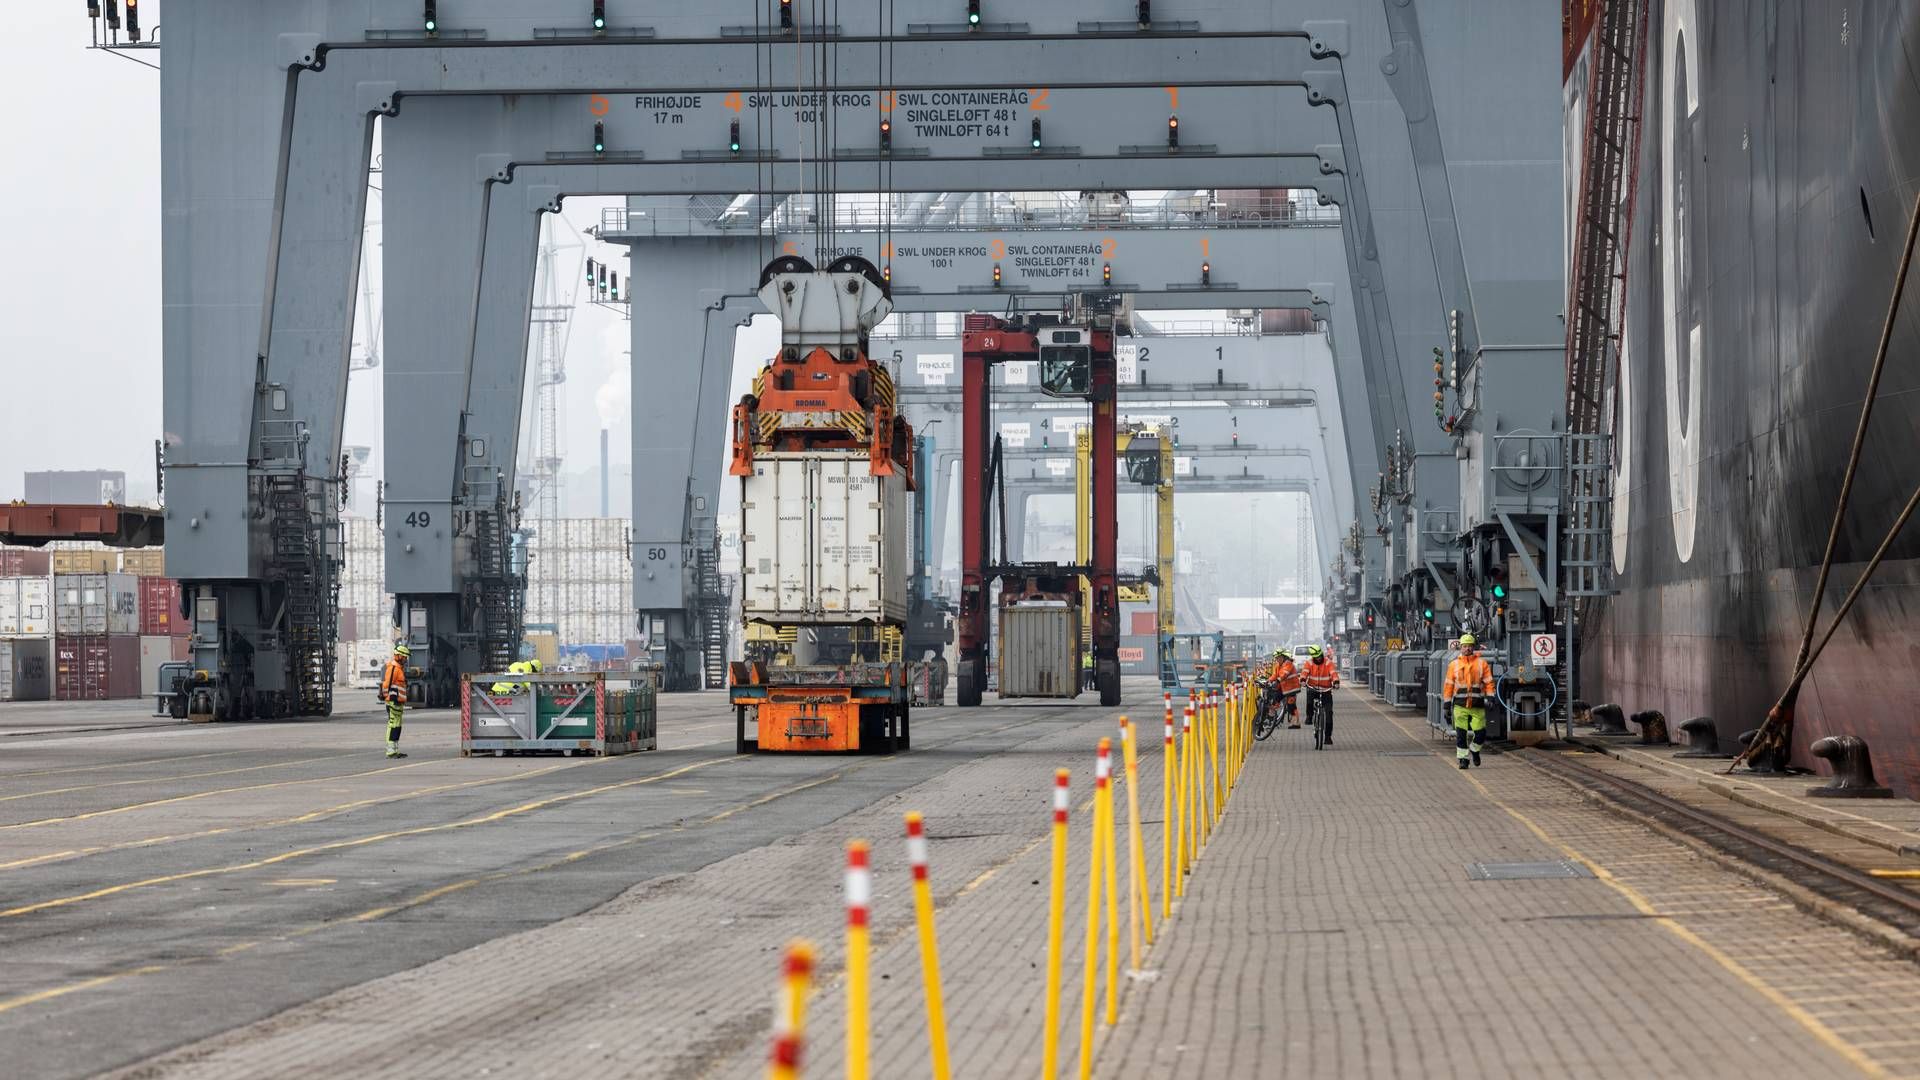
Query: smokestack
x: 604, y: 511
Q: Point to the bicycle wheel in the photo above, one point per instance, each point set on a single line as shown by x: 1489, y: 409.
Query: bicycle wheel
x: 1319, y: 724
x: 1268, y: 720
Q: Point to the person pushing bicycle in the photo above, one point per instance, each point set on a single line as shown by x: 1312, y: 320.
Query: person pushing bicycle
x: 1283, y: 682
x: 1322, y: 677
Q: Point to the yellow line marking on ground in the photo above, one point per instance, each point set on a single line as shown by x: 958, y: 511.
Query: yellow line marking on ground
x: 9, y: 1004
x: 362, y: 841
x: 1895, y: 873
x: 429, y: 896
x: 207, y: 794
x: 311, y: 815
x: 445, y: 890
x: 1820, y: 1031
x: 120, y: 764
x: 165, y: 779
x: 302, y: 882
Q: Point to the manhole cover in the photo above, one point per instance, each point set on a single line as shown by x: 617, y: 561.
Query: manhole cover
x: 1405, y: 753
x: 1526, y: 871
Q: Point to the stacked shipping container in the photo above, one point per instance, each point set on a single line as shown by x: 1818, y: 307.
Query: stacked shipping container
x: 26, y: 624
x: 579, y: 580
x: 90, y: 622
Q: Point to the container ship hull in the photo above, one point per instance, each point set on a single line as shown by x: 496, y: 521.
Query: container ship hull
x: 1777, y: 172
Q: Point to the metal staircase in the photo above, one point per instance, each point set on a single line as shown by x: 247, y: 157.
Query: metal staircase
x: 714, y: 593
x: 501, y: 594
x: 305, y: 568
x: 1608, y: 180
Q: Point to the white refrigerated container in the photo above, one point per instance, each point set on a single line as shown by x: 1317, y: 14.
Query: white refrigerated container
x: 26, y: 607
x: 823, y: 540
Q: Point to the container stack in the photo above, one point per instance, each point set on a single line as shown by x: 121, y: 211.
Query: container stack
x: 26, y: 624
x: 164, y: 633
x: 96, y: 645
x: 83, y: 622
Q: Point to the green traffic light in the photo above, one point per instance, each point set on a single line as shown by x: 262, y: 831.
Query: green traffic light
x: 1499, y: 592
x: 432, y: 26
x: 974, y: 18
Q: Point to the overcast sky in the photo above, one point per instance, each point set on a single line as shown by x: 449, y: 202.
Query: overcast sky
x: 80, y: 294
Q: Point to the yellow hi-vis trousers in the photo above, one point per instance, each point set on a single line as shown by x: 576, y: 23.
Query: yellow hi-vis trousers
x: 1468, y: 725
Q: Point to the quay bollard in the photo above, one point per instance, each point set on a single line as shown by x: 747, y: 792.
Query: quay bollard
x: 1609, y: 720
x: 1772, y: 764
x: 1852, y: 769
x: 1056, y: 917
x: 929, y: 946
x: 1653, y: 727
x: 1703, y: 739
x: 789, y: 1013
x: 859, y: 894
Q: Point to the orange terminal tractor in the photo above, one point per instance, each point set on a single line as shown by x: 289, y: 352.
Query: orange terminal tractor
x: 826, y: 480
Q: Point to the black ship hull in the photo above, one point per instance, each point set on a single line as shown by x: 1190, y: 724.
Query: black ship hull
x: 1777, y: 172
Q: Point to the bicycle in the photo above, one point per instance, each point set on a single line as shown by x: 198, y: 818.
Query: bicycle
x: 1320, y: 713
x: 1268, y: 720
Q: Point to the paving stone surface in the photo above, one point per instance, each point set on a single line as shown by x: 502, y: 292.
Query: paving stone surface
x: 1329, y: 930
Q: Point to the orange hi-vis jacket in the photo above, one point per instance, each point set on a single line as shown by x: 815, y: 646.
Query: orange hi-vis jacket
x: 394, y: 678
x: 1469, y: 673
x: 1322, y: 674
x: 1287, y: 674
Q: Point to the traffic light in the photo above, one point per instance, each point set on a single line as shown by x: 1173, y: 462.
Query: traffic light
x: 589, y: 273
x: 1173, y: 132
x: 1106, y: 274
x: 1369, y: 616
x: 603, y: 278
x: 599, y: 14
x: 1144, y: 15
x: 996, y: 275
x: 886, y: 135
x: 113, y: 14
x: 133, y: 20
x: 1206, y: 273
x: 786, y: 14
x: 973, y: 14
x: 93, y: 9
x: 1036, y: 133
x: 1427, y: 613
x: 1499, y: 591
x: 613, y: 290
x: 886, y: 273
x: 733, y: 138
x: 430, y: 18
x: 599, y: 138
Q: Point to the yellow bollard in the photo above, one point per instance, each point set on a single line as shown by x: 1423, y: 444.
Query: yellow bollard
x: 1110, y: 867
x: 859, y: 893
x: 1056, y: 916
x: 1213, y: 756
x: 789, y: 1013
x: 1167, y: 774
x: 1090, y: 966
x: 1184, y: 793
x: 1139, y: 898
x: 929, y: 947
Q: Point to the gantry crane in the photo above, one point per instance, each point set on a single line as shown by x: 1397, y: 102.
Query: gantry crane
x: 1148, y: 454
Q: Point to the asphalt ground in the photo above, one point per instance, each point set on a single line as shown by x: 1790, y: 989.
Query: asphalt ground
x: 160, y: 882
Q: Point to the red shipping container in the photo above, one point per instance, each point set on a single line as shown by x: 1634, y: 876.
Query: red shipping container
x: 25, y: 562
x: 160, y: 607
x: 96, y: 667
x: 1145, y: 624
